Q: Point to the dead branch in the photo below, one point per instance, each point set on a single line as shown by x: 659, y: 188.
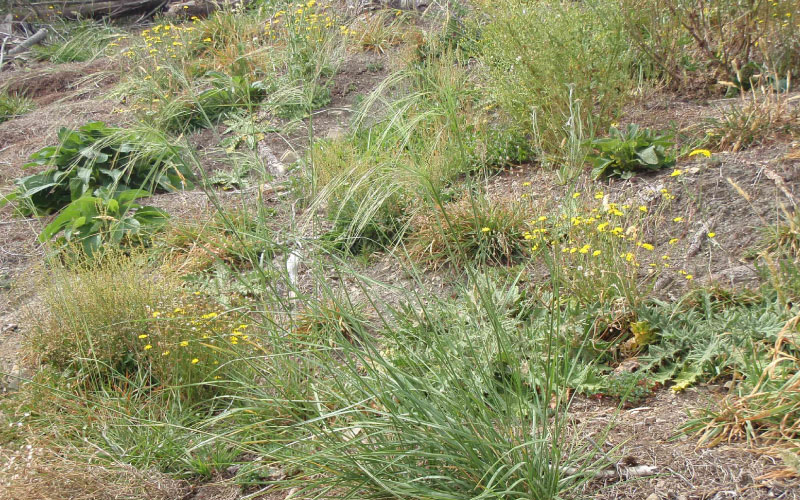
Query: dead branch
x: 28, y: 43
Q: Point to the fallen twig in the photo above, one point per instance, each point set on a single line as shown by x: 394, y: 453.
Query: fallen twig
x: 25, y: 45
x: 617, y: 472
x: 697, y: 239
x: 780, y: 184
x: 3, y: 52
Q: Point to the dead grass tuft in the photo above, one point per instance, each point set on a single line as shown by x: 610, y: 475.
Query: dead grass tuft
x: 760, y: 117
x: 768, y: 415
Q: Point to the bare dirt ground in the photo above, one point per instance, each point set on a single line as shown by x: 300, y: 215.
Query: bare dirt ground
x: 706, y: 197
x: 648, y: 435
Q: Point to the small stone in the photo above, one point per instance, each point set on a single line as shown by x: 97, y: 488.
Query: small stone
x: 266, y: 190
x: 289, y: 157
x: 334, y: 134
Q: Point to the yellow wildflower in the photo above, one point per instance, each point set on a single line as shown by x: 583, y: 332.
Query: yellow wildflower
x: 703, y: 152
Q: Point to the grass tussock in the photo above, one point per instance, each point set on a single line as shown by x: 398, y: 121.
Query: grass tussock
x: 761, y: 116
x: 472, y: 229
x: 13, y: 105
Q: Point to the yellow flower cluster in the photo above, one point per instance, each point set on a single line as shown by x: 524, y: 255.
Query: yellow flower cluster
x: 164, y: 42
x: 307, y: 19
x: 193, y: 334
x: 608, y: 229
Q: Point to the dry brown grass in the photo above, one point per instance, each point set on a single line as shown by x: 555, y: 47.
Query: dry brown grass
x: 760, y: 117
x: 41, y: 474
x: 381, y: 30
x: 768, y: 415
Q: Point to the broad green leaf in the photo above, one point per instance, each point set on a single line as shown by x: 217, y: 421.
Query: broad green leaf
x: 648, y: 155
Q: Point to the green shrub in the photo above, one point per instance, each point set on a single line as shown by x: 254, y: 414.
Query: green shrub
x: 97, y: 156
x: 543, y: 57
x: 690, y: 43
x: 626, y: 152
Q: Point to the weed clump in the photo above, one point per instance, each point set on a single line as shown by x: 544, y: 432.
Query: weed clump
x: 121, y: 317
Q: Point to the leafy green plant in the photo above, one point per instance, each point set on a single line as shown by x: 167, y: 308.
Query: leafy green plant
x: 691, y: 346
x: 94, y: 156
x: 763, y: 406
x: 243, y: 130
x: 113, y: 217
x: 13, y: 105
x: 630, y: 387
x: 626, y: 152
